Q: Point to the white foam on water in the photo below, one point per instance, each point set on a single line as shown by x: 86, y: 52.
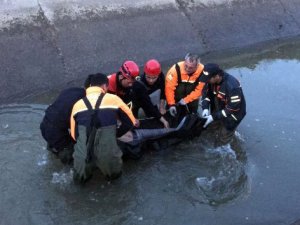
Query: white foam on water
x: 204, y: 182
x: 224, y: 150
x: 62, y: 177
x: 43, y: 160
x: 239, y: 136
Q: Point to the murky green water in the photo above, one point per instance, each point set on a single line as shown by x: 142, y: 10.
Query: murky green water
x: 253, y: 181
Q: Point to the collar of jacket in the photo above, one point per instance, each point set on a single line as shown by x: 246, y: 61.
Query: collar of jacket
x: 94, y: 89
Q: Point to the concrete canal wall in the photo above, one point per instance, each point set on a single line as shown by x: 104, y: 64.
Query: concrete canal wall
x: 47, y: 44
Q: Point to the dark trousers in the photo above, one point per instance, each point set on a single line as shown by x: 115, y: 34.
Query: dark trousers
x: 57, y: 138
x: 227, y: 126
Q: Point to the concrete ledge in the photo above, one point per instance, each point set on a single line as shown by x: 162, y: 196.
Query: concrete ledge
x: 51, y: 44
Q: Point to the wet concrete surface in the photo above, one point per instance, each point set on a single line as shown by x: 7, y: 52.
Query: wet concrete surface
x: 54, y: 44
x: 253, y: 181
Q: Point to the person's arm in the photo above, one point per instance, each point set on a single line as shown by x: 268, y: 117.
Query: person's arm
x: 144, y: 101
x: 73, y: 122
x: 126, y: 117
x: 171, y: 82
x: 162, y: 107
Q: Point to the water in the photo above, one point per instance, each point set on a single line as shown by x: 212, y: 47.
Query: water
x: 252, y: 181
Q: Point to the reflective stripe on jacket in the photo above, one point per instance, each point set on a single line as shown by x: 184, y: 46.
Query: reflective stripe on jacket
x: 173, y: 80
x: 230, y: 97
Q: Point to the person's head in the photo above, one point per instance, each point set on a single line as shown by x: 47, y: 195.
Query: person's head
x: 98, y: 80
x: 212, y: 74
x: 152, y: 70
x: 191, y: 62
x: 128, y: 72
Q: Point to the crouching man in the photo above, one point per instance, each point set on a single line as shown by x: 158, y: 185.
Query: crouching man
x: 94, y: 121
x: 223, y: 94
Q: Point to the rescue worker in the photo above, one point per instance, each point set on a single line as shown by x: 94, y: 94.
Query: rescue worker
x: 134, y: 94
x: 154, y: 81
x: 223, y: 95
x: 94, y: 122
x: 182, y: 86
x: 56, y: 123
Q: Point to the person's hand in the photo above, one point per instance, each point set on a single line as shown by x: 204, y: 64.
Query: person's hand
x: 205, y: 113
x: 182, y: 102
x: 162, y: 110
x: 209, y: 119
x: 137, y: 123
x: 173, y: 111
x: 165, y: 122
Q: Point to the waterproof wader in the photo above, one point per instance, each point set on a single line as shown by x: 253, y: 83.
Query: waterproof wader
x: 96, y: 146
x: 227, y: 127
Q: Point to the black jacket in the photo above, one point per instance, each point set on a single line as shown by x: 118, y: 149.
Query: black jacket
x: 230, y: 97
x: 140, y: 99
x: 159, y: 84
x: 59, y: 112
x: 56, y: 122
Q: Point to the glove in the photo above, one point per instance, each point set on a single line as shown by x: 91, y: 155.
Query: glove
x: 173, y: 111
x: 209, y: 119
x: 205, y: 113
x: 182, y: 102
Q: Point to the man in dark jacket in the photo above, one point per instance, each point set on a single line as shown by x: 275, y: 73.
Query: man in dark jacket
x: 224, y: 96
x: 56, y: 123
x: 133, y: 93
x: 154, y: 81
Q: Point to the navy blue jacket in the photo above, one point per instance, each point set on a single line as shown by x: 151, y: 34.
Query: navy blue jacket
x: 56, y: 122
x: 59, y: 111
x: 230, y: 97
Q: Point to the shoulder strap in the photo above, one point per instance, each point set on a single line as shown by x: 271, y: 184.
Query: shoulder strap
x: 178, y: 72
x: 87, y: 103
x: 91, y: 129
x: 99, y: 100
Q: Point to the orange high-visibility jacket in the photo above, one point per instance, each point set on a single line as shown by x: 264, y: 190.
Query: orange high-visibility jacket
x: 110, y: 109
x: 172, y: 82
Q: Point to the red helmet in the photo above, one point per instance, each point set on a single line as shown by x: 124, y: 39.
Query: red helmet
x: 152, y: 68
x: 130, y: 69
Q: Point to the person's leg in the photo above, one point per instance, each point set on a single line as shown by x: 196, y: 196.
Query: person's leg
x: 108, y: 156
x: 66, y: 154
x: 59, y: 141
x: 227, y: 130
x: 82, y: 170
x: 225, y: 135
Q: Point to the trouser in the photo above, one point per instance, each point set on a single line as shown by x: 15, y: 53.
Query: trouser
x: 225, y: 127
x: 57, y: 138
x: 224, y: 133
x: 106, y: 154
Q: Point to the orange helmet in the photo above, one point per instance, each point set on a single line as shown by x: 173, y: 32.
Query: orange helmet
x: 152, y: 68
x: 130, y: 69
